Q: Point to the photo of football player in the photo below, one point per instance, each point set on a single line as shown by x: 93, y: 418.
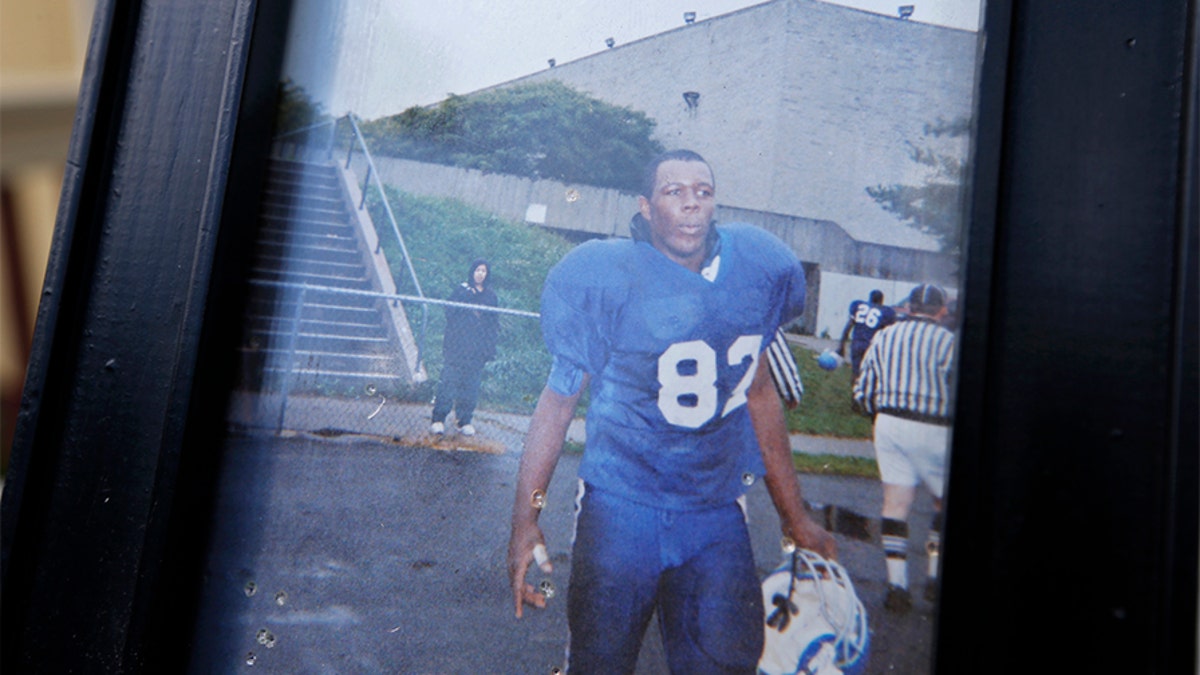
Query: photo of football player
x: 867, y: 317
x: 666, y: 332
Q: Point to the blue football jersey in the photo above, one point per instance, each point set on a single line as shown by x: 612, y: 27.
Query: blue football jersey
x: 671, y: 354
x: 868, y: 319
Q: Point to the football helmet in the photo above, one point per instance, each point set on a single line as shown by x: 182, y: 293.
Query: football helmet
x: 815, y: 623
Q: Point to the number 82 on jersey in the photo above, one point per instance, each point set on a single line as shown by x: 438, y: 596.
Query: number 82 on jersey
x: 687, y: 375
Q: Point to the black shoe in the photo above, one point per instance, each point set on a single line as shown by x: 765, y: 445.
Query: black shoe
x: 898, y: 599
x: 931, y: 590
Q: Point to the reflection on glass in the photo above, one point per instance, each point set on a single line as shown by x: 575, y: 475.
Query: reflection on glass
x: 844, y: 132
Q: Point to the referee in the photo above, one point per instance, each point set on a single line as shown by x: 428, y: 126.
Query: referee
x: 905, y: 384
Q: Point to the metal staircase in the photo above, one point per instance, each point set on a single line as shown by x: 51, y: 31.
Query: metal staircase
x: 318, y: 321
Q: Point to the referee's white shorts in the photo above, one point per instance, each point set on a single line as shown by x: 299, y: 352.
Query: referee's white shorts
x: 910, y: 452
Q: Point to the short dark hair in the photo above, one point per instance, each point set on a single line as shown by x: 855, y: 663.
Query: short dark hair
x: 650, y: 172
x: 877, y: 297
x: 927, y: 299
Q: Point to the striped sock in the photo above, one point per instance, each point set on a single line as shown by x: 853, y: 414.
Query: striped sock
x: 895, y: 548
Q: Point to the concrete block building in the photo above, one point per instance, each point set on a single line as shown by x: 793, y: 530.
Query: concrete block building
x: 799, y: 105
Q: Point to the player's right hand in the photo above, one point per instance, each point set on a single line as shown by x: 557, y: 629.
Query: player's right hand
x: 520, y: 554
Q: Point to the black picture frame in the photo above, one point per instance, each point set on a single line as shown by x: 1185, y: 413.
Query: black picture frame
x: 173, y: 92
x: 1074, y: 487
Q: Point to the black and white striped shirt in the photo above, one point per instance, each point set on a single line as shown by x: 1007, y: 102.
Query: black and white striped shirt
x: 906, y: 371
x: 784, y: 372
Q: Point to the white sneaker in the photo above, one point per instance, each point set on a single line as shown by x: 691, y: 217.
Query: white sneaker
x: 437, y: 428
x: 466, y: 430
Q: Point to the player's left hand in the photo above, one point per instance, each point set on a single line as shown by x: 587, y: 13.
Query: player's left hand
x: 808, y: 534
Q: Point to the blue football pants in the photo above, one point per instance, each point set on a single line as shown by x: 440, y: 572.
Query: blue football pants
x: 695, y: 567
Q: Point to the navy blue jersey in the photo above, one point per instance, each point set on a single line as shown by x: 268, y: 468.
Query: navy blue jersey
x: 671, y: 354
x: 868, y: 318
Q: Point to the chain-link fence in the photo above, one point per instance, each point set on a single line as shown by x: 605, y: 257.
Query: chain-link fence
x: 312, y: 366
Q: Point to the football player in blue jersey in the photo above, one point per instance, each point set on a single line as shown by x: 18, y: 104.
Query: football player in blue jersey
x: 866, y: 319
x: 666, y: 331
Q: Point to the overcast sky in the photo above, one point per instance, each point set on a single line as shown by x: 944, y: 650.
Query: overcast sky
x: 382, y: 56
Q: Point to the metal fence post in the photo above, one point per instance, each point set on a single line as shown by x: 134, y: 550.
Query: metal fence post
x: 290, y: 359
x: 366, y: 184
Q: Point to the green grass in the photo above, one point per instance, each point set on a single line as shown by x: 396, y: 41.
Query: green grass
x: 825, y: 408
x: 836, y: 465
x: 821, y: 465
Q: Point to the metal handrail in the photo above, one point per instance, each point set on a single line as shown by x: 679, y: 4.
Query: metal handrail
x: 394, y: 297
x: 387, y: 208
x: 294, y: 332
x: 294, y: 329
x: 372, y: 173
x: 301, y: 130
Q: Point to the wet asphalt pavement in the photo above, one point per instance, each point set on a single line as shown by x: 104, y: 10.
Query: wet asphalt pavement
x: 355, y: 555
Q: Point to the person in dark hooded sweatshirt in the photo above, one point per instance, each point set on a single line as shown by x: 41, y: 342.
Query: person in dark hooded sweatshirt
x: 469, y: 342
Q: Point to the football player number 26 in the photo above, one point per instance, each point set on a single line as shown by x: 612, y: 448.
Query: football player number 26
x: 868, y: 315
x: 687, y: 373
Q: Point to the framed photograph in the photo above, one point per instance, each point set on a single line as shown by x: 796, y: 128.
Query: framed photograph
x: 291, y: 346
x: 414, y: 148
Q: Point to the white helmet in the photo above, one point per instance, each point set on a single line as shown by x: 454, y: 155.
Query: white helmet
x: 815, y: 623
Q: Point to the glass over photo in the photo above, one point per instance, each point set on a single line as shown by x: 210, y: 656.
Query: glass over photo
x: 598, y: 337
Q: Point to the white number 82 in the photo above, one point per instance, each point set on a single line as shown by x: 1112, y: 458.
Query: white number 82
x: 702, y: 384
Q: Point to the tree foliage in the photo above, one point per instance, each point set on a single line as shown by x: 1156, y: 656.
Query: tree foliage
x: 297, y: 109
x: 935, y: 206
x: 540, y: 130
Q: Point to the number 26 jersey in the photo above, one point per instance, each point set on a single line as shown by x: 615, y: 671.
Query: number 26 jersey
x: 671, y: 354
